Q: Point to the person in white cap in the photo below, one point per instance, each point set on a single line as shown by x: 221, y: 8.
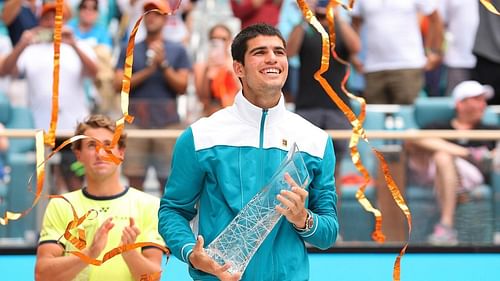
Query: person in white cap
x: 430, y: 158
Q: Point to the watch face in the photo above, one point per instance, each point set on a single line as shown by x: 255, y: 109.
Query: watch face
x: 309, y: 221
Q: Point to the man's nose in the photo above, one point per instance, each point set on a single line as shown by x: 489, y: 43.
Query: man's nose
x: 271, y: 57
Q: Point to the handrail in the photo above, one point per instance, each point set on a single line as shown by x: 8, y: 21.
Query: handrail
x: 338, y: 134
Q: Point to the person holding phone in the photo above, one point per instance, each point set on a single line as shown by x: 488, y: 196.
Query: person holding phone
x: 33, y: 58
x: 215, y: 81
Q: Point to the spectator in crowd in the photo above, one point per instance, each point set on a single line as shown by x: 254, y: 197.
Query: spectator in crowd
x: 430, y: 158
x: 487, y: 50
x: 461, y: 18
x: 175, y: 28
x: 18, y: 16
x: 125, y: 216
x: 222, y: 161
x: 160, y: 73
x: 108, y: 12
x: 256, y: 11
x: 215, y: 81
x: 395, y: 57
x: 87, y: 28
x: 33, y: 57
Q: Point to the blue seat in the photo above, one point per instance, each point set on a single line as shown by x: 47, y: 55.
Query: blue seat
x: 4, y: 118
x: 21, y: 159
x: 474, y: 211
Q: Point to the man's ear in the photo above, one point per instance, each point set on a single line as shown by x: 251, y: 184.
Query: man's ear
x: 238, y: 69
x: 77, y: 154
x: 121, y: 152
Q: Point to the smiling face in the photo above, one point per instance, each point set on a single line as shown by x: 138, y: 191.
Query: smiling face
x: 263, y: 71
x: 96, y: 168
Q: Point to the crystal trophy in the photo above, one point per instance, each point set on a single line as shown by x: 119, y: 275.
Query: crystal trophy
x: 239, y: 241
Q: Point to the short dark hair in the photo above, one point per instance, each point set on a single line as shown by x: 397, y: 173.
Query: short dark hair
x: 83, y: 2
x: 239, y: 45
x: 221, y: 26
x: 97, y: 121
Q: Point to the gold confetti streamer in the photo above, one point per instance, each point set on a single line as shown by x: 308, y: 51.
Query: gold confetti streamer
x: 40, y: 174
x: 50, y: 138
x: 356, y: 122
x: 127, y: 71
x: 488, y: 5
x: 40, y: 169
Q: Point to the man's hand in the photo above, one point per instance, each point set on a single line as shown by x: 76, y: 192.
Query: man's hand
x: 159, y: 51
x: 433, y: 60
x: 130, y: 233
x: 100, y: 238
x: 67, y: 36
x: 357, y: 64
x: 28, y: 36
x: 201, y: 261
x: 293, y: 201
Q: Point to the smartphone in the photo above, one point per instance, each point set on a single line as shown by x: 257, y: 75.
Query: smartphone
x: 44, y: 36
x: 216, y: 50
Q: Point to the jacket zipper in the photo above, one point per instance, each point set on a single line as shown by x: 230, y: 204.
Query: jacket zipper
x: 261, y: 145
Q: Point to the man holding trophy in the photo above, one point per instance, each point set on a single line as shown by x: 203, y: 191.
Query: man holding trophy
x: 226, y: 167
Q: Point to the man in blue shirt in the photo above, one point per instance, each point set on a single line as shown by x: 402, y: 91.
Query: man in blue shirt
x: 221, y: 162
x: 160, y: 73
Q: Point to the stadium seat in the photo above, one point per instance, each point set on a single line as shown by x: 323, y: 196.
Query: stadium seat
x: 4, y: 117
x: 21, y: 160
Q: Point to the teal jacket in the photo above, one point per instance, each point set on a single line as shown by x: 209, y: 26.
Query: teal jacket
x: 221, y: 162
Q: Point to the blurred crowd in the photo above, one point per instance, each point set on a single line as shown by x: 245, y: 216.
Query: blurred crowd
x: 182, y: 68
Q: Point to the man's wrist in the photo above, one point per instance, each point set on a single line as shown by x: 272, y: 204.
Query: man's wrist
x: 436, y: 51
x: 308, y: 222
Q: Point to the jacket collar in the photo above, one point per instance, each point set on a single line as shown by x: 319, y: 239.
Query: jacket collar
x: 253, y: 114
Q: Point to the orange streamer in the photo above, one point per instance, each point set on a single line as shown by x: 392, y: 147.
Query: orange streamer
x: 151, y: 277
x: 117, y: 251
x: 80, y: 242
x: 40, y: 169
x: 40, y: 174
x: 488, y: 5
x: 358, y: 130
x: 356, y: 122
x: 50, y: 138
x: 127, y: 73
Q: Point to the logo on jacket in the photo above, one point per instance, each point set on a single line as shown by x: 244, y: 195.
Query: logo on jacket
x: 284, y: 142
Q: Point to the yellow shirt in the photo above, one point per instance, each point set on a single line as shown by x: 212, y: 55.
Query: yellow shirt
x: 131, y: 203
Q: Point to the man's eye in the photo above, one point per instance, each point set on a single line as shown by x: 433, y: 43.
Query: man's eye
x: 280, y: 52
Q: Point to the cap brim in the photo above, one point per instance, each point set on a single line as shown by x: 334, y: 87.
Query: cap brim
x: 488, y: 91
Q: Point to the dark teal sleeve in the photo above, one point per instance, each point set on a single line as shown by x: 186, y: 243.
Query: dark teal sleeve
x: 323, y: 203
x: 177, y: 206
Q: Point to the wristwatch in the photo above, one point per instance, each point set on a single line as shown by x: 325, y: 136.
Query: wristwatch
x: 164, y: 65
x: 309, y: 222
